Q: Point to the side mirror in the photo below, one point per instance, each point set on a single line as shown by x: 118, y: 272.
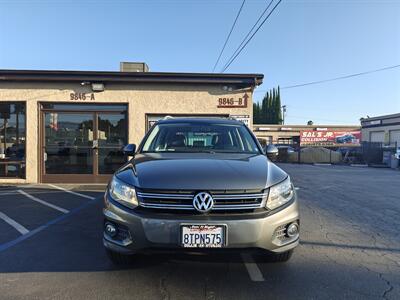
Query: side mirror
x: 272, y: 152
x: 129, y: 150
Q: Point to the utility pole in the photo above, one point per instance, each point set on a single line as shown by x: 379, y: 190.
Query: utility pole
x: 283, y: 114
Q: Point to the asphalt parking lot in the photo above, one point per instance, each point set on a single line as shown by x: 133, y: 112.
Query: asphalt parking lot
x: 51, y: 247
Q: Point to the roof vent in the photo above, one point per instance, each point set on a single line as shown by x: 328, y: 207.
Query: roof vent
x: 133, y: 67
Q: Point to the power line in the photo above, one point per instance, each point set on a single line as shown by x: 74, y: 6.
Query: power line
x: 251, y: 37
x: 336, y: 78
x: 341, y: 77
x: 229, y: 35
x: 250, y: 31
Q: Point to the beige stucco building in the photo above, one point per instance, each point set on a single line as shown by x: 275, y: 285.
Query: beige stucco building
x: 70, y: 126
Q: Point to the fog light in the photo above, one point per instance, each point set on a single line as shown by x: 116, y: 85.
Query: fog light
x: 292, y: 230
x: 111, y: 230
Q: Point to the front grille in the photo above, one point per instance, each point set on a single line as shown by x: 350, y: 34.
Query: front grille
x: 227, y: 200
x: 122, y: 233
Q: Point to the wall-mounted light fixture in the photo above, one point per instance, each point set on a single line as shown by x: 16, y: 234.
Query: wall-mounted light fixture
x: 97, y: 87
x: 227, y: 88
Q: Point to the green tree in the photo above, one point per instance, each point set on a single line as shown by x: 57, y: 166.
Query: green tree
x: 268, y: 108
x: 278, y: 107
x: 269, y: 111
x: 264, y: 109
x: 256, y: 113
x: 274, y: 117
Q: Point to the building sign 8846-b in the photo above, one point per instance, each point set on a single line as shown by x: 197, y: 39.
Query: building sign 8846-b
x: 231, y: 102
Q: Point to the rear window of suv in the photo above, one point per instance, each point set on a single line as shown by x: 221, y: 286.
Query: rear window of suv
x: 200, y: 137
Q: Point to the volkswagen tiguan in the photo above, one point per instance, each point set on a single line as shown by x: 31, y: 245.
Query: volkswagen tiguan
x: 199, y: 184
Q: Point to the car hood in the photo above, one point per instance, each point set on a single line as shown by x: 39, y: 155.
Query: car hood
x: 200, y: 171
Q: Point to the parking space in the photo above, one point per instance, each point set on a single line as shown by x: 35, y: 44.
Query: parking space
x: 58, y: 197
x: 350, y: 248
x: 7, y: 232
x: 26, y: 210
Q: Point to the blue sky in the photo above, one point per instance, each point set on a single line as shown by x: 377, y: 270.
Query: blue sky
x: 302, y: 41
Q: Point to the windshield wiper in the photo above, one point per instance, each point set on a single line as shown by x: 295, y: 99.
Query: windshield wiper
x: 206, y: 151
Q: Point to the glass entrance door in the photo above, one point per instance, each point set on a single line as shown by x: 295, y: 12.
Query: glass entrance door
x: 82, y: 146
x: 68, y: 143
x: 111, y: 136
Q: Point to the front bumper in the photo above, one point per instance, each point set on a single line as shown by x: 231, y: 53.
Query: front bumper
x: 154, y: 231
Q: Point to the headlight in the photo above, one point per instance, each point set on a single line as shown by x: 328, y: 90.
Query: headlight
x: 280, y: 194
x: 123, y: 193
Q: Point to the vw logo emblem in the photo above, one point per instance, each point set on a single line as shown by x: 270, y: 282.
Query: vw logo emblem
x: 203, y: 202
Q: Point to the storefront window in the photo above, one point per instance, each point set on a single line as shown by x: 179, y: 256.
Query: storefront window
x: 12, y: 139
x: 83, y: 140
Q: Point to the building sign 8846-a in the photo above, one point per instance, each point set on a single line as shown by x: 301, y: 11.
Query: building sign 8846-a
x: 81, y: 97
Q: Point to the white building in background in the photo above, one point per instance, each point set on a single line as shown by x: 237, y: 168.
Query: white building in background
x: 382, y: 129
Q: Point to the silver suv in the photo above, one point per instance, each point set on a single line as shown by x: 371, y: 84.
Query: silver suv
x: 199, y: 184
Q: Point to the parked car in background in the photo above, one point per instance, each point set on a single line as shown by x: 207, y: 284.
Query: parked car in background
x: 285, y: 147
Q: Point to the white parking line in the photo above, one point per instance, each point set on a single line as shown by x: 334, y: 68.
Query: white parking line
x: 35, y: 192
x: 43, y: 202
x: 6, y: 193
x: 252, y: 268
x: 72, y: 192
x: 14, y: 224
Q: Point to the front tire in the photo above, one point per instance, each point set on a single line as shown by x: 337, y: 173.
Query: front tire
x: 118, y: 258
x: 281, y: 257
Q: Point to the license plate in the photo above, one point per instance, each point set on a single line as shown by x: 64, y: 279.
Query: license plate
x: 203, y: 236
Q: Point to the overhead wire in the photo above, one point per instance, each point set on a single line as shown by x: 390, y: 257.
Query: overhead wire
x: 251, y: 30
x: 341, y: 77
x: 229, y: 35
x: 251, y: 37
x: 335, y: 78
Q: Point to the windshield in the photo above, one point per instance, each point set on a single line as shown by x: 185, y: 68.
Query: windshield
x: 200, y: 137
